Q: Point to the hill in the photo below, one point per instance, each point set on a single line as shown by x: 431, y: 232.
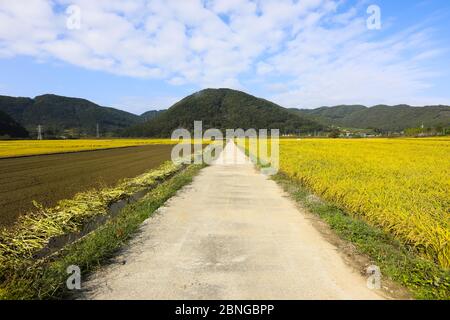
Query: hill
x: 9, y: 128
x: 150, y: 114
x: 383, y: 117
x: 217, y: 108
x: 223, y: 109
x: 60, y: 115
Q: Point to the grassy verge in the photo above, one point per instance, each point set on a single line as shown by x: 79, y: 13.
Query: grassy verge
x: 46, y: 279
x: 400, y: 263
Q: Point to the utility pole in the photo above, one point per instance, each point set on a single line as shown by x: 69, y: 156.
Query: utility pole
x: 98, y: 131
x: 39, y: 132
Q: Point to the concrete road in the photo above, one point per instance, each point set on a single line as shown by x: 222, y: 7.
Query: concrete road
x: 231, y: 234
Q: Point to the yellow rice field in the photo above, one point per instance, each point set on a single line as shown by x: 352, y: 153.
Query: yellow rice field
x: 401, y: 185
x: 35, y: 147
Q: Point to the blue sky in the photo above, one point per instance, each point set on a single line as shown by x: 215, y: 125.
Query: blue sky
x: 141, y: 55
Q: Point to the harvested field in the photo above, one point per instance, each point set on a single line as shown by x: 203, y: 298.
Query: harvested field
x: 49, y: 178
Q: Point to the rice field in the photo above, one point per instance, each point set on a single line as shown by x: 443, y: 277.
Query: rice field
x: 400, y: 185
x: 20, y: 148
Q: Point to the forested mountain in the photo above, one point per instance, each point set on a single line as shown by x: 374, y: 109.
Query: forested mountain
x: 9, y: 128
x: 223, y: 109
x: 388, y: 118
x: 60, y: 115
x: 150, y: 114
x: 217, y: 108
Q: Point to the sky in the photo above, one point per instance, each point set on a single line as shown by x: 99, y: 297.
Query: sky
x: 141, y: 55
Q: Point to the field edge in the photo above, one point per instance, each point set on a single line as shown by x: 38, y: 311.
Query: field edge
x: 419, y: 278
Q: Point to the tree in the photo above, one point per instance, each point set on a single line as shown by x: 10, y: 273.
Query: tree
x: 335, y: 133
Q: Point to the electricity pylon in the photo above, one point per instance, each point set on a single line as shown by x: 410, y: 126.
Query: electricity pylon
x: 39, y: 132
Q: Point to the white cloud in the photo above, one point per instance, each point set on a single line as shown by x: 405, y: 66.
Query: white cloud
x: 339, y: 66
x: 319, y: 52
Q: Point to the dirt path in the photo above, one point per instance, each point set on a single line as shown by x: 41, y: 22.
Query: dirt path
x: 231, y: 234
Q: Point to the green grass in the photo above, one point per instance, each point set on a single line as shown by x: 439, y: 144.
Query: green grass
x: 424, y: 279
x: 46, y: 279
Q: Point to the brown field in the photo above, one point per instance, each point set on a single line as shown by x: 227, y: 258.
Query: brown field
x: 49, y: 178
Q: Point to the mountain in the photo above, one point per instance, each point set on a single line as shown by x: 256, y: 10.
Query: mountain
x: 217, y: 108
x: 383, y: 117
x: 10, y: 128
x: 329, y: 115
x: 223, y: 109
x: 150, y: 114
x: 60, y: 115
